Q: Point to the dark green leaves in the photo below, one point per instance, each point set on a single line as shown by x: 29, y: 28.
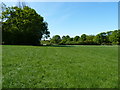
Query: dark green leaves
x: 24, y: 26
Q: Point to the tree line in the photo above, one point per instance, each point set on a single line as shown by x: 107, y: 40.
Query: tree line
x: 103, y: 38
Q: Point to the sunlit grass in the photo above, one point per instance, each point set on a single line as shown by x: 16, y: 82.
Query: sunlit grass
x: 60, y: 67
x: 0, y: 66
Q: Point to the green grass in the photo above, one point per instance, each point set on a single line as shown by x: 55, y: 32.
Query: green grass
x: 0, y: 66
x: 60, y: 67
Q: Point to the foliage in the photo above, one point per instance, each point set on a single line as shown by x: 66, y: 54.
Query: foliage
x: 89, y: 38
x: 23, y: 26
x: 76, y: 38
x: 115, y: 37
x: 66, y: 40
x: 45, y: 42
x: 103, y: 38
x: 56, y: 39
x: 97, y: 39
x: 110, y: 37
x: 83, y: 37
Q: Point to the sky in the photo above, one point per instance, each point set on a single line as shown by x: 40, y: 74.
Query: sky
x: 77, y: 18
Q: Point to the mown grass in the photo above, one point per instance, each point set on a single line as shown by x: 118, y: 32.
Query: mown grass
x: 0, y: 66
x: 60, y: 67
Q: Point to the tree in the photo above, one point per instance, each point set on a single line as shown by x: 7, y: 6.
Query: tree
x: 101, y: 38
x: 97, y: 39
x: 109, y: 33
x: 63, y: 40
x: 119, y: 36
x: 23, y: 26
x: 71, y: 39
x: 3, y: 8
x: 68, y: 39
x: 83, y: 37
x: 55, y: 39
x: 76, y: 38
x: 115, y: 37
x: 89, y: 38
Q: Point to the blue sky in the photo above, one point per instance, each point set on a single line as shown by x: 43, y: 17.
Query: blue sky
x: 76, y: 18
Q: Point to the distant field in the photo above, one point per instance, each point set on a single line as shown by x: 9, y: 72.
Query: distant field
x: 60, y: 67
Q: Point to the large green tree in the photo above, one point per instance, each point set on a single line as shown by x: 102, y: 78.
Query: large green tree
x: 23, y: 26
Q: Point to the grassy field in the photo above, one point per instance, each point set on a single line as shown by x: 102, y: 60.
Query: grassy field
x: 60, y: 67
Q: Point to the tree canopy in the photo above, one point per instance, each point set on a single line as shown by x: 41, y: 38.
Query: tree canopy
x: 56, y: 39
x: 103, y: 38
x: 23, y: 26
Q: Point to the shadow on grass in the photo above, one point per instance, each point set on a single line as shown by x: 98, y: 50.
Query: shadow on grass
x: 44, y: 45
x: 58, y: 45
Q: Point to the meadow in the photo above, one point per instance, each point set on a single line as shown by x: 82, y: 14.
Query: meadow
x: 59, y: 66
